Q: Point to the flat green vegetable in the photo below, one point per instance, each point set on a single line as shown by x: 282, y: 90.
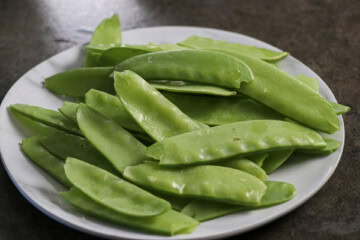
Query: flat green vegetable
x: 177, y: 203
x: 287, y: 95
x: 113, y: 56
x: 339, y: 108
x: 276, y: 159
x: 77, y: 82
x: 233, y: 140
x: 331, y: 146
x: 48, y: 117
x: 276, y: 193
x: 45, y: 160
x: 115, y: 143
x: 153, y: 47
x: 190, y: 87
x: 111, y: 107
x: 69, y: 110
x: 247, y: 166
x: 168, y: 223
x: 256, y: 52
x: 258, y: 158
x: 65, y: 145
x: 213, y: 110
x: 113, y: 192
x: 204, y: 181
x: 153, y: 112
x: 190, y: 65
x: 107, y: 33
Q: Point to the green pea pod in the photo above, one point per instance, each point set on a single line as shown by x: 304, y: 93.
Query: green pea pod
x: 153, y: 47
x: 204, y: 181
x: 339, y: 108
x: 177, y: 203
x: 247, y: 166
x: 331, y: 146
x: 113, y: 56
x: 65, y: 145
x: 115, y: 143
x: 91, y: 58
x: 107, y: 33
x: 29, y: 127
x: 276, y: 193
x: 256, y: 52
x: 258, y: 158
x: 113, y: 192
x: 287, y: 95
x: 45, y: 160
x: 143, y: 137
x: 190, y: 65
x: 189, y: 87
x: 219, y: 111
x: 77, y: 82
x: 276, y: 159
x: 233, y: 140
x: 168, y: 223
x: 69, y: 110
x: 153, y: 112
x: 111, y: 107
x: 47, y: 117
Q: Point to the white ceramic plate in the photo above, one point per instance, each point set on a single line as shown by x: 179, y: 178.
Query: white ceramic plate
x: 308, y: 175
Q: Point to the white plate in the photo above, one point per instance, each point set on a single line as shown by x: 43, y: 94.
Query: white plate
x: 42, y: 191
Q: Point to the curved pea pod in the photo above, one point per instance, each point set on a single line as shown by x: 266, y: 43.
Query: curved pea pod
x: 112, y: 191
x: 153, y: 47
x: 331, y: 146
x: 108, y: 32
x: 113, y: 56
x: 276, y: 193
x: 152, y: 111
x: 177, y: 203
x: 65, y: 145
x: 77, y: 82
x: 287, y: 95
x: 256, y: 52
x: 168, y: 223
x: 247, y: 166
x: 233, y: 140
x: 111, y: 107
x: 339, y: 108
x: 258, y: 158
x: 190, y: 65
x: 204, y: 181
x: 44, y: 159
x: 47, y: 117
x: 116, y: 144
x: 276, y: 159
x: 219, y: 111
x: 190, y: 87
x: 69, y: 110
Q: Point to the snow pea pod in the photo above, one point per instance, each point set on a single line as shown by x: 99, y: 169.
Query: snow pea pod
x: 218, y: 111
x: 116, y: 55
x: 44, y: 159
x: 204, y: 181
x: 153, y: 112
x: 115, y: 143
x: 331, y: 146
x: 111, y: 107
x: 168, y: 223
x: 287, y: 95
x: 190, y: 65
x: 177, y: 203
x: 276, y: 159
x: 339, y: 108
x: 153, y: 47
x: 77, y: 82
x: 65, y: 145
x: 233, y: 140
x: 112, y: 191
x: 48, y: 117
x: 258, y: 158
x: 69, y: 110
x: 190, y: 87
x: 256, y: 52
x: 247, y: 166
x: 276, y: 193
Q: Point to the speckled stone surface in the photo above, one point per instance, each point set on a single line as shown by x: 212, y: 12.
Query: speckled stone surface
x: 325, y: 35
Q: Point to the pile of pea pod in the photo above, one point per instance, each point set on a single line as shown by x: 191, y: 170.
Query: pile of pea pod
x: 160, y: 137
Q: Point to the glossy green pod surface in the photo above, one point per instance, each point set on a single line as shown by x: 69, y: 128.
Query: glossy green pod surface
x: 276, y: 193
x: 77, y: 82
x: 153, y: 47
x: 276, y: 159
x: 247, y: 166
x: 107, y: 33
x: 331, y: 146
x: 153, y: 112
x: 204, y: 181
x: 232, y: 140
x: 168, y: 223
x: 44, y: 159
x: 115, y: 143
x: 190, y: 65
x: 116, y: 55
x: 48, y: 117
x: 112, y: 191
x: 69, y: 110
x: 256, y: 52
x: 258, y: 158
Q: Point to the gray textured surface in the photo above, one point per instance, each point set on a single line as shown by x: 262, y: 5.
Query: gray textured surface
x: 325, y: 35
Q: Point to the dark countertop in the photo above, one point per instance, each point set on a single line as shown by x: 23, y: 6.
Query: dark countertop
x: 325, y: 35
